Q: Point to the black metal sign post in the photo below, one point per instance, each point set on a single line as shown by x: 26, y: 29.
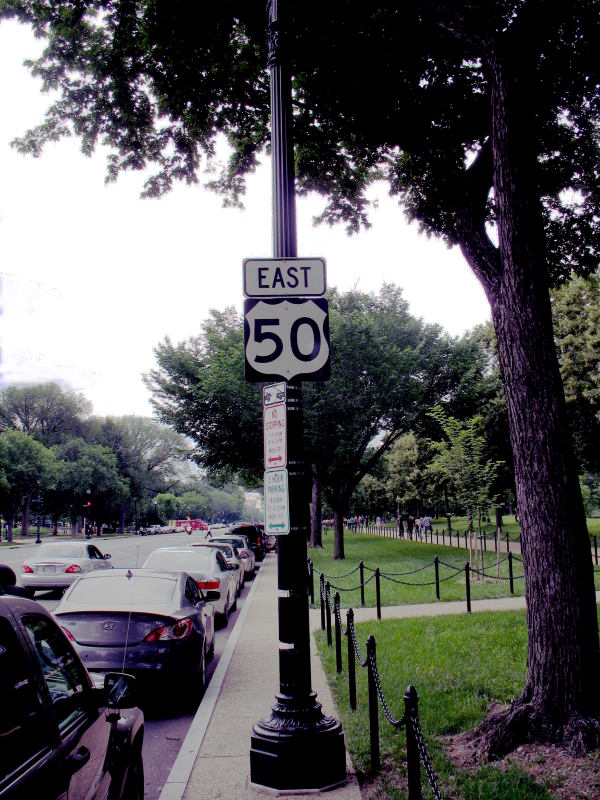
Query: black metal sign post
x: 297, y: 747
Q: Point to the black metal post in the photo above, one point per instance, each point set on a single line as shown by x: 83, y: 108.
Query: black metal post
x: 468, y: 585
x: 377, y: 593
x: 450, y: 534
x: 596, y: 549
x: 328, y: 612
x: 373, y: 707
x: 283, y: 745
x: 311, y: 585
x: 413, y: 765
x: 510, y: 573
x: 436, y: 563
x: 361, y: 568
x: 338, y: 633
x: 496, y: 541
x: 444, y: 537
x: 465, y: 540
x: 351, y: 665
x: 507, y: 543
x: 322, y: 592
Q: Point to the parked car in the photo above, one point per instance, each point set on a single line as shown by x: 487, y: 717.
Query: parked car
x: 208, y: 568
x: 56, y: 565
x: 245, y: 551
x: 232, y: 557
x: 62, y: 736
x: 157, y: 625
x: 255, y: 535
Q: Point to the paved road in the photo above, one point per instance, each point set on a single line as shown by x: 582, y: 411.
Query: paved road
x: 167, y: 722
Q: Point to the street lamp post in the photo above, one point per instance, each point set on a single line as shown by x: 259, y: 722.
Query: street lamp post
x: 298, y: 747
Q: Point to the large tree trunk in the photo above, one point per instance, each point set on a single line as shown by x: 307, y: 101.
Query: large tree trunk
x: 560, y: 699
x: 338, y: 533
x: 316, y: 531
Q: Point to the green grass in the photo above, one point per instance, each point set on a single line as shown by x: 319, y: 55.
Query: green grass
x: 397, y: 556
x: 458, y: 664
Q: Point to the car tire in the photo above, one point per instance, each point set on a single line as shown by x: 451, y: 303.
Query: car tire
x: 134, y: 785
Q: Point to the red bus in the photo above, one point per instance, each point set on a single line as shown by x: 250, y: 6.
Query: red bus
x: 195, y: 524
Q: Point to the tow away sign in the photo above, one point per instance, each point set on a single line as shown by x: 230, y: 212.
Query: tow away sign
x: 275, y: 432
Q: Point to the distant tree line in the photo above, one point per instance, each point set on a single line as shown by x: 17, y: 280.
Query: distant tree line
x: 60, y: 463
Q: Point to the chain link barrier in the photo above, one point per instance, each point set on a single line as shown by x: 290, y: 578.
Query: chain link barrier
x: 423, y: 754
x: 396, y: 723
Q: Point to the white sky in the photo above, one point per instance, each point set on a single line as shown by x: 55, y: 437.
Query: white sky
x: 93, y: 277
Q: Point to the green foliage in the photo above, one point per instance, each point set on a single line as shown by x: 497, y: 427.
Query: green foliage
x: 26, y: 467
x: 45, y: 411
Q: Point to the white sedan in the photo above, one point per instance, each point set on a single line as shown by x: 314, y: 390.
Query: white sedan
x: 56, y: 565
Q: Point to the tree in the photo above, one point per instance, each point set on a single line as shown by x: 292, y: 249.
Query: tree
x: 475, y: 114
x: 26, y: 466
x: 576, y: 313
x: 44, y: 410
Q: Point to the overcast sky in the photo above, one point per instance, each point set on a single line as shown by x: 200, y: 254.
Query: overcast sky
x: 93, y: 277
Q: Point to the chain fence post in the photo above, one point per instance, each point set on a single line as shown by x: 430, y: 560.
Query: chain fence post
x: 465, y: 540
x: 413, y: 766
x: 328, y: 613
x: 507, y: 543
x: 484, y: 542
x: 467, y: 585
x: 338, y: 633
x: 322, y: 592
x: 378, y: 593
x: 361, y: 567
x: 596, y: 549
x: 311, y: 585
x: 373, y: 708
x: 510, y: 573
x: 437, y: 535
x: 444, y: 537
x: 450, y: 535
x: 436, y: 564
x: 351, y: 665
x: 496, y: 541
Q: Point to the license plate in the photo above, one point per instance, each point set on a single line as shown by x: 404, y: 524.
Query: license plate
x: 49, y: 570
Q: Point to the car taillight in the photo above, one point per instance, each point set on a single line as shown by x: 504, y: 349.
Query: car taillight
x: 244, y: 554
x: 26, y: 568
x: 67, y: 633
x: 181, y: 630
x: 211, y: 583
x: 73, y: 568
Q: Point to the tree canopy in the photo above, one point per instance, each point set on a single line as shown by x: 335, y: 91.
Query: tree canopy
x: 483, y: 120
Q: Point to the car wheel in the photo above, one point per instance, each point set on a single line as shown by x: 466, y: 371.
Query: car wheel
x: 134, y: 786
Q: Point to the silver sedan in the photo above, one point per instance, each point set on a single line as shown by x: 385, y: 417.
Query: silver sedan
x: 208, y: 568
x: 56, y: 565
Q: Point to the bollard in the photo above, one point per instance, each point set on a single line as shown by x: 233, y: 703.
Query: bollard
x: 437, y: 536
x: 596, y: 549
x: 437, y: 577
x: 465, y: 540
x: 510, y: 573
x: 311, y: 585
x: 413, y: 765
x: 450, y: 534
x: 321, y: 593
x: 444, y: 537
x: 484, y: 542
x: 377, y: 593
x: 351, y: 665
x: 328, y: 613
x: 338, y: 633
x: 496, y: 541
x: 361, y: 566
x: 373, y: 709
x: 467, y: 585
x: 507, y: 543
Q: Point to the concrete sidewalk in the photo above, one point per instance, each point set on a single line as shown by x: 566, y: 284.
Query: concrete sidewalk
x: 214, y: 760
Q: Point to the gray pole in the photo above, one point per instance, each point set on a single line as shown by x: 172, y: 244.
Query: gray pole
x: 297, y: 747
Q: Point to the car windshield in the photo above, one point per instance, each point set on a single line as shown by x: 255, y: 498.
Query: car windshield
x: 178, y: 560
x: 140, y: 590
x: 60, y: 551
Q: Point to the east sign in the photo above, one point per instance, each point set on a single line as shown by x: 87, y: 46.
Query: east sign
x: 284, y: 277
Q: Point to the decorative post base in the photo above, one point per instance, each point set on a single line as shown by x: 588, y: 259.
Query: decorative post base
x: 297, y: 748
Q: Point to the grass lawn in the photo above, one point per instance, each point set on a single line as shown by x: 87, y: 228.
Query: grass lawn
x: 394, y: 556
x: 458, y: 665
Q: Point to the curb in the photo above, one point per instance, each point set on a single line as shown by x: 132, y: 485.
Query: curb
x: 176, y: 784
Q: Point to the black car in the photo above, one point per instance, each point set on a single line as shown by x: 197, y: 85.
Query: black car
x: 62, y: 737
x: 255, y: 535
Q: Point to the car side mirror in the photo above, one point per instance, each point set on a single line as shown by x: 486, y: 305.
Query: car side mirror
x: 120, y: 690
x: 106, y: 556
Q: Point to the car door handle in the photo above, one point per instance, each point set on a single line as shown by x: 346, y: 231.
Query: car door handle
x: 78, y: 760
